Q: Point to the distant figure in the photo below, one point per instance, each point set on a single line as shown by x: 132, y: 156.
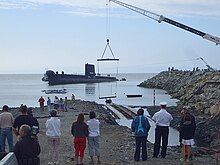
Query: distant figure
x: 41, y: 101
x: 48, y: 104
x: 56, y: 103
x: 140, y: 126
x: 27, y: 149
x: 187, y: 133
x: 53, y: 133
x: 22, y: 119
x: 6, y: 123
x: 61, y: 104
x: 162, y: 119
x: 66, y: 104
x: 80, y: 131
x: 35, y: 128
x: 93, y: 138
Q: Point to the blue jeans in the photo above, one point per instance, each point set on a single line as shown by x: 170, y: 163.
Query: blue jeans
x: 141, y: 142
x: 7, y: 133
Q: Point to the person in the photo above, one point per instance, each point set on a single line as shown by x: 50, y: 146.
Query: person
x: 53, y: 133
x: 187, y: 132
x: 80, y: 131
x: 93, y: 138
x: 56, y: 103
x: 61, y: 105
x: 27, y: 149
x: 22, y: 119
x: 48, y: 104
x: 66, y: 104
x: 162, y: 119
x: 35, y: 128
x: 186, y: 110
x: 140, y: 126
x: 41, y: 101
x: 6, y: 123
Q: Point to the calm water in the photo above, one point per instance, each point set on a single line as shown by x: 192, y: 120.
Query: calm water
x: 16, y: 89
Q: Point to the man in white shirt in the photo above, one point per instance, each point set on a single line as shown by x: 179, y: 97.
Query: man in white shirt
x: 162, y: 119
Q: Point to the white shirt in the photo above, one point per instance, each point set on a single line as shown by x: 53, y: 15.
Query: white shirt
x: 162, y: 118
x: 93, y: 125
x: 53, y: 127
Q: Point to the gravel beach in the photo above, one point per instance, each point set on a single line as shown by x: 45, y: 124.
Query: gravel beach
x: 117, y: 144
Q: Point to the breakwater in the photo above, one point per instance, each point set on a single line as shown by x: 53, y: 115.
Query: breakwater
x: 198, y: 89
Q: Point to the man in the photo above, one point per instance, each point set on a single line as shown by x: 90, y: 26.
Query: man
x: 41, y: 101
x: 48, y: 104
x: 22, y: 119
x: 6, y: 122
x: 35, y: 128
x: 162, y: 119
x: 27, y: 149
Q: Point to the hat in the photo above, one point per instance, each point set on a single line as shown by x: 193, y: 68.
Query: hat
x: 163, y: 103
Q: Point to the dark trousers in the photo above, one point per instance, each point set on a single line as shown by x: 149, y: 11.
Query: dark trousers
x: 161, y: 132
x: 141, y: 142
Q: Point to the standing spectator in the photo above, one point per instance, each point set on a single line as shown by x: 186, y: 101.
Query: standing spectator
x: 41, y: 101
x: 22, y: 119
x: 162, y: 119
x: 186, y: 110
x: 27, y: 149
x: 61, y: 104
x: 48, y: 104
x: 80, y: 131
x: 187, y: 132
x: 6, y: 123
x: 140, y: 126
x: 56, y: 103
x: 93, y: 138
x: 53, y: 133
x: 66, y: 104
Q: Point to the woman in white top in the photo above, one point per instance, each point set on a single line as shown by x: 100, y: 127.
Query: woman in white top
x: 93, y: 138
x: 53, y: 133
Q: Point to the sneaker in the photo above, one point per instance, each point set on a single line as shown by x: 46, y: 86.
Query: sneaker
x: 50, y: 163
x: 56, y: 162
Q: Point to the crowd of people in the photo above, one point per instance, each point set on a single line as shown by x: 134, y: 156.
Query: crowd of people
x: 26, y: 127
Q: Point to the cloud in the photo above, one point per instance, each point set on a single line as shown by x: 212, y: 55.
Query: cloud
x: 97, y: 7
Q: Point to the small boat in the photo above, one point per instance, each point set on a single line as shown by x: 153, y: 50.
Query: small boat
x: 123, y: 79
x: 137, y: 95
x: 55, y: 91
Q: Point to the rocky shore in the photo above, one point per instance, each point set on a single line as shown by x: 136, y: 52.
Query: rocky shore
x: 117, y: 143
x: 198, y: 89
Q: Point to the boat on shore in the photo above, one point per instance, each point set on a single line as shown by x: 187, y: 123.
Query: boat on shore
x: 55, y: 91
x: 89, y: 77
x: 135, y: 95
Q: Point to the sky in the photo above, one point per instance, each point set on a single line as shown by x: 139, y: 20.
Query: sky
x: 64, y: 35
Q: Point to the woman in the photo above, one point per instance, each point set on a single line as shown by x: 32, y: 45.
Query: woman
x: 187, y: 132
x: 53, y: 133
x: 80, y: 131
x: 93, y: 139
x: 140, y: 126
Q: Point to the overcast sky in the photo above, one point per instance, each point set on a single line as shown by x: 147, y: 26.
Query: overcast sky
x: 36, y: 35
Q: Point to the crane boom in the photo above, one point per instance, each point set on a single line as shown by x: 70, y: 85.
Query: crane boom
x: 161, y: 18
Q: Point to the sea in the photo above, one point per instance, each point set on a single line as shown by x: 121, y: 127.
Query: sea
x: 17, y: 89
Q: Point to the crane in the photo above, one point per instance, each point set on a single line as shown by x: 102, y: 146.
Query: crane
x: 207, y: 65
x: 161, y: 18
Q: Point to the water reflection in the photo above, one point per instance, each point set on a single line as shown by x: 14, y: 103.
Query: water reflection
x: 90, y: 89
